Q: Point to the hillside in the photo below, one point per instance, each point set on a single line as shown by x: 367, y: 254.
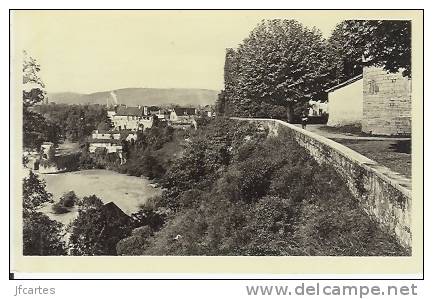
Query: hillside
x: 140, y: 96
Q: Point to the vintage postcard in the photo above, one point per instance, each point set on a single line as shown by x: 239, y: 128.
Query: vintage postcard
x: 200, y: 141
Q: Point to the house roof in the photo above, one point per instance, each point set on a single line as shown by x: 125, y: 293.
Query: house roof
x: 153, y: 108
x: 130, y: 111
x: 112, y: 211
x: 345, y: 83
x: 111, y: 141
x: 184, y: 111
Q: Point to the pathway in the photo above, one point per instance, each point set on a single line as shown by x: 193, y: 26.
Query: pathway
x: 321, y: 130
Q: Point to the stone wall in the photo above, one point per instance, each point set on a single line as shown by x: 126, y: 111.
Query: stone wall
x: 382, y: 193
x: 387, y: 103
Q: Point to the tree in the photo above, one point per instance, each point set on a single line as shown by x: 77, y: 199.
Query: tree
x: 34, y: 194
x: 90, y: 202
x: 348, y: 52
x: 36, y: 129
x: 381, y: 43
x: 280, y: 64
x: 41, y: 235
x: 103, y: 126
x: 34, y: 92
x: 98, y: 228
x: 389, y: 45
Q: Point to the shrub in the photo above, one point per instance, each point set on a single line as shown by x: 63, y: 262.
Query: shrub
x: 90, y: 202
x: 58, y: 208
x: 132, y: 245
x: 155, y: 219
x: 68, y: 199
x: 271, y: 198
x: 42, y: 236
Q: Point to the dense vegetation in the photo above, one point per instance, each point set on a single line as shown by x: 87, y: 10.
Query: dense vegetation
x: 236, y: 192
x: 147, y: 156
x: 41, y: 235
x: 75, y: 122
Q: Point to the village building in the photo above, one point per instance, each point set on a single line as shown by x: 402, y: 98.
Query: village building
x: 182, y: 114
x: 345, y: 103
x: 130, y: 118
x: 110, y: 145
x: 46, y: 147
x: 378, y: 101
x: 105, y: 135
x: 183, y: 118
x: 206, y: 111
x: 111, y: 140
x: 161, y: 114
x: 111, y: 113
x: 317, y: 108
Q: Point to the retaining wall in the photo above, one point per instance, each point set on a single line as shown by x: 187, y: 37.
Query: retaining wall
x: 382, y: 193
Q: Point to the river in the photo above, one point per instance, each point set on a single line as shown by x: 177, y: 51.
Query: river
x: 127, y: 192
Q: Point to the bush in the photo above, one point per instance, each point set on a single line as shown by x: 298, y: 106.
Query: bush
x: 42, y: 236
x: 90, y: 202
x: 132, y: 245
x: 58, y: 208
x: 68, y: 199
x: 155, y: 219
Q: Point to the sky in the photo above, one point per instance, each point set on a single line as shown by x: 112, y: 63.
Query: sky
x: 90, y: 51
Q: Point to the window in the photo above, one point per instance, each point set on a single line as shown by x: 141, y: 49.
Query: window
x: 373, y: 87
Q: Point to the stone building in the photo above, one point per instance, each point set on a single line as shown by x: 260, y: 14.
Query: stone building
x: 130, y: 118
x: 378, y: 101
x: 386, y: 103
x: 183, y: 114
x: 183, y: 118
x: 110, y: 145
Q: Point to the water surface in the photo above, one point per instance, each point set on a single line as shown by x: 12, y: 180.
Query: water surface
x: 127, y: 192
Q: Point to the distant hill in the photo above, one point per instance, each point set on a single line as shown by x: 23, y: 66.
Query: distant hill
x: 140, y: 96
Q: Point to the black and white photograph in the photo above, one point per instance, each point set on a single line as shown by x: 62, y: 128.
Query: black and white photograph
x: 213, y: 133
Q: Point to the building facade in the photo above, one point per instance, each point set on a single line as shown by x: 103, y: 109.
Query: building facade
x: 345, y: 103
x: 183, y: 114
x: 131, y: 118
x: 387, y: 103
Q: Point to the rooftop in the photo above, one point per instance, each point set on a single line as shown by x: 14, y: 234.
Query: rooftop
x: 345, y: 83
x: 130, y: 111
x: 184, y: 111
x: 112, y: 141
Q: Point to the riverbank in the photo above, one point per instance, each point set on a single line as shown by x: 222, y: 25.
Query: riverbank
x: 127, y: 192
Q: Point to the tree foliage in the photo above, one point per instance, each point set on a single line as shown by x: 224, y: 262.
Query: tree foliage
x: 76, y: 122
x: 41, y: 235
x: 382, y: 43
x: 236, y: 192
x: 281, y: 64
x: 34, y: 92
x: 36, y: 129
x: 34, y: 193
x: 98, y: 228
